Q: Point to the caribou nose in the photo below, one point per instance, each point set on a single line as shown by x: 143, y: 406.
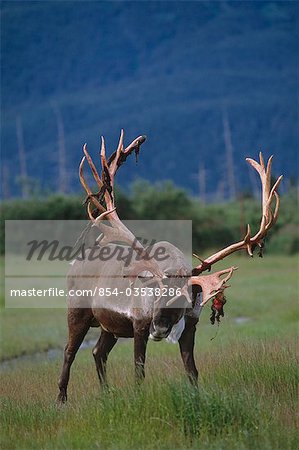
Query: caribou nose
x: 159, y: 331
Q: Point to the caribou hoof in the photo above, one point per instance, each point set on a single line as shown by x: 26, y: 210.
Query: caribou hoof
x: 61, y: 398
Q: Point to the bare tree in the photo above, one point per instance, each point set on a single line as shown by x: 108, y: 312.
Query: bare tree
x: 5, y: 181
x: 22, y: 158
x: 229, y: 155
x: 62, y: 172
x: 200, y: 177
x: 202, y: 183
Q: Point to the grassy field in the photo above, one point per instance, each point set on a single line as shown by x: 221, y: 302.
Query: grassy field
x: 248, y: 378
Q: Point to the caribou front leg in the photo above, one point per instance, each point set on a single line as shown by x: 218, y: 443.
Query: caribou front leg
x: 79, y: 324
x: 186, y: 343
x: 101, y: 351
x: 140, y: 342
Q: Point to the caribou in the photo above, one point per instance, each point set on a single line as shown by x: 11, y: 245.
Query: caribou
x: 151, y: 314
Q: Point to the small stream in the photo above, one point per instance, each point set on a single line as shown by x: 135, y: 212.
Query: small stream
x: 42, y: 356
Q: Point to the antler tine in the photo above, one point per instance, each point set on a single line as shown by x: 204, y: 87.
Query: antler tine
x: 100, y: 217
x: 119, y: 150
x: 197, y: 257
x: 261, y: 232
x: 268, y: 172
x: 275, y: 186
x: 91, y: 196
x: 247, y: 240
x: 184, y: 292
x: 229, y: 272
x: 134, y: 144
x: 92, y: 166
x: 121, y: 141
x: 120, y: 155
x: 103, y: 154
x: 262, y: 164
x: 265, y: 176
x: 273, y: 194
x: 89, y: 212
x: 266, y: 188
x: 275, y: 215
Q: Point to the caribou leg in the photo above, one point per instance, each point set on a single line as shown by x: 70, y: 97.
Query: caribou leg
x: 79, y: 324
x: 101, y: 351
x: 140, y: 343
x: 186, y: 343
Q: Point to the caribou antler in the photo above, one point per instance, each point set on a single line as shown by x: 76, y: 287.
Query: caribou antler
x: 212, y: 284
x: 267, y: 221
x: 116, y: 231
x: 109, y: 168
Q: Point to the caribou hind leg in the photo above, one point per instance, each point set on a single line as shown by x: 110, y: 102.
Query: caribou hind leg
x: 141, y: 335
x: 101, y: 351
x: 79, y: 321
x: 186, y: 343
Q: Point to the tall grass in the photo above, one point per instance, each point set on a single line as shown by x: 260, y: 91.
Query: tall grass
x: 246, y: 399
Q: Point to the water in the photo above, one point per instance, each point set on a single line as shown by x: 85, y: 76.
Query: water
x: 43, y: 356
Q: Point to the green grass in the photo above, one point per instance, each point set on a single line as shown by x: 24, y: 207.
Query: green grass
x: 247, y: 399
x: 248, y: 378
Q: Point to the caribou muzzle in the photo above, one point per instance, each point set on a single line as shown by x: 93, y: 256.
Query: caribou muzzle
x: 160, y: 330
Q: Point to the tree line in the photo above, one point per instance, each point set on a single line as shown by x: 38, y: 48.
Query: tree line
x: 214, y: 225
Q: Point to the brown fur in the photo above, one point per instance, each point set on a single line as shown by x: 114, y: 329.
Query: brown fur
x: 115, y: 325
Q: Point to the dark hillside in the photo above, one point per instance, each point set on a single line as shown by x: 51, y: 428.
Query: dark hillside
x: 171, y: 70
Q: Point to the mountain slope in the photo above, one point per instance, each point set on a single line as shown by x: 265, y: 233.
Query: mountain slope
x: 169, y: 70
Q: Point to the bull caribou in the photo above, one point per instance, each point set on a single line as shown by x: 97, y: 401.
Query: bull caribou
x: 155, y: 316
